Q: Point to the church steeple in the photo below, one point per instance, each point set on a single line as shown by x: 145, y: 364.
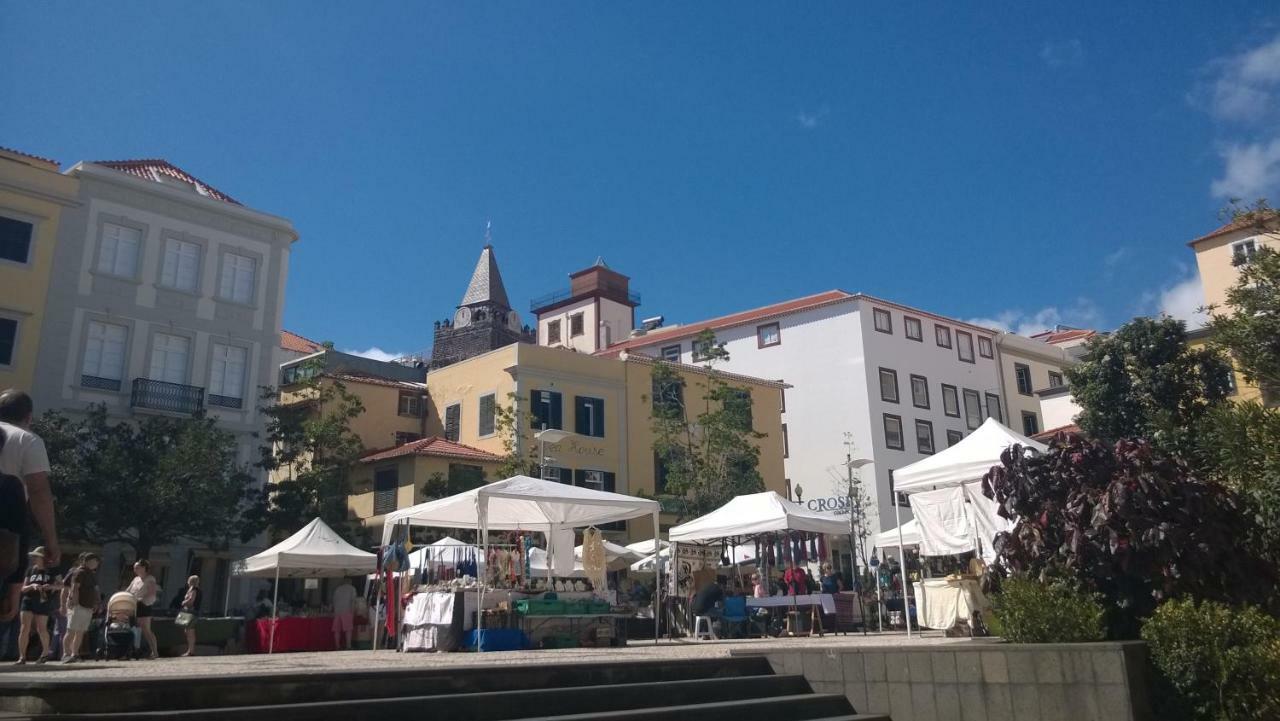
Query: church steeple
x: 483, y: 321
x: 486, y: 283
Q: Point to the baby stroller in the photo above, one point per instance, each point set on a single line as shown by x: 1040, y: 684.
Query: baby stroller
x: 120, y: 640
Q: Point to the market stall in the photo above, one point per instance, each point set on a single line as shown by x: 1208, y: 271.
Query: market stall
x: 512, y: 515
x: 953, y: 515
x: 315, y: 551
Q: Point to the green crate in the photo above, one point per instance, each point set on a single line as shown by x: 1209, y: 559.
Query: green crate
x: 540, y: 607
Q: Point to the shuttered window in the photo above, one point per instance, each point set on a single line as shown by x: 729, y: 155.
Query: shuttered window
x: 488, y: 415
x: 546, y: 410
x: 118, y: 254
x: 453, y: 422
x: 588, y: 416
x: 385, y: 484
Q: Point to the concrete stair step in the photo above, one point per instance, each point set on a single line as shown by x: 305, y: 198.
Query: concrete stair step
x: 857, y: 717
x: 793, y: 708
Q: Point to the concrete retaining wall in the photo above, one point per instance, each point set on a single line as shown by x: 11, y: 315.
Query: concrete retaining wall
x: 981, y: 681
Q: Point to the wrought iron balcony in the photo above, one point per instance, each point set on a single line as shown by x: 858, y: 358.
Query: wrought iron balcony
x: 168, y: 397
x: 561, y: 295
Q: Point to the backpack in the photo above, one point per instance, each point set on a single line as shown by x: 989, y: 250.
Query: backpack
x: 13, y: 521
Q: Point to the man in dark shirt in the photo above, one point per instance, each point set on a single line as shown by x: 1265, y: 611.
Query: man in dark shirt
x: 705, y: 600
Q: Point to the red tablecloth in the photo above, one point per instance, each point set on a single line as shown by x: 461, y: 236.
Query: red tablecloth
x: 292, y: 634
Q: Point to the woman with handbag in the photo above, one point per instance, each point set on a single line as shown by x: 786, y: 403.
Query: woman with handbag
x: 187, y: 616
x: 144, y: 588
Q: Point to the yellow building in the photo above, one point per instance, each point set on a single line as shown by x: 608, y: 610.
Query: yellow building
x: 1219, y: 256
x: 32, y: 196
x: 602, y: 405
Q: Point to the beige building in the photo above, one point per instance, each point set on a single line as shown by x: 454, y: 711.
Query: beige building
x: 1028, y: 367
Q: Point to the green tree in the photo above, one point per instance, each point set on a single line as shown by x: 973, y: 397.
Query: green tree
x: 309, y: 451
x: 710, y: 457
x: 507, y: 424
x: 148, y: 483
x: 1248, y: 327
x: 1238, y: 445
x: 1143, y: 381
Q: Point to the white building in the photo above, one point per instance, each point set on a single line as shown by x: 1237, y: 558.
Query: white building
x: 901, y: 382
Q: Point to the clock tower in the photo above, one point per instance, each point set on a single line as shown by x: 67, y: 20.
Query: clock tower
x: 483, y: 321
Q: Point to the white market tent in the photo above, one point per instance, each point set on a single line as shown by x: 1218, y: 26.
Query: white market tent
x: 616, y: 559
x: 448, y: 551
x: 521, y: 503
x: 315, y: 551
x: 965, y: 462
x: 755, y: 513
x: 910, y: 536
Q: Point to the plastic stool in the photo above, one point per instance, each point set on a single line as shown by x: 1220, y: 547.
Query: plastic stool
x: 702, y: 629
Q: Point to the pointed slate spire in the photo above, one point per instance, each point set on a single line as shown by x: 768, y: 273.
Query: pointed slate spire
x: 486, y: 283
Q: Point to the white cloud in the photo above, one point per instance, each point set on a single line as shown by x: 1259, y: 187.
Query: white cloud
x: 1183, y: 300
x: 809, y: 121
x: 1250, y: 170
x: 376, y: 353
x: 1062, y: 53
x: 1243, y: 86
x: 1082, y: 314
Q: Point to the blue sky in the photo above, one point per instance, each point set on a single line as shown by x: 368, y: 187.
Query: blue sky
x: 1026, y: 163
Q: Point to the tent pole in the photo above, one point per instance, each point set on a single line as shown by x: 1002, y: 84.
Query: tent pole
x: 482, y: 507
x: 657, y: 585
x: 275, y: 609
x: 902, y: 562
x: 226, y: 605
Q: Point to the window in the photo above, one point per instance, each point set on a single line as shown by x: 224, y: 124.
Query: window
x: 786, y: 442
x: 899, y: 499
x: 893, y: 431
x: 8, y: 340
x: 1030, y: 423
x: 547, y: 410
x: 226, y: 376
x: 1243, y: 251
x: 888, y: 385
x: 964, y: 346
x: 950, y: 401
x: 553, y: 332
x: 589, y: 416
x: 239, y: 275
x: 913, y: 328
x: 463, y: 477
x: 984, y: 347
x: 169, y: 355
x: 385, y: 484
x: 576, y: 325
x: 993, y: 407
x: 488, y: 415
x: 924, y: 436
x: 661, y: 469
x: 954, y: 437
x: 768, y: 335
x: 410, y: 404
x: 1022, y: 373
x: 118, y: 254
x: 181, y: 268
x: 737, y: 406
x: 595, y: 480
x: 942, y: 335
x: 671, y: 353
x: 702, y: 350
x: 559, y: 475
x: 15, y: 239
x: 883, y: 321
x: 453, y: 422
x: 919, y: 391
x: 668, y: 397
x: 403, y: 437
x: 972, y: 408
x: 1055, y: 379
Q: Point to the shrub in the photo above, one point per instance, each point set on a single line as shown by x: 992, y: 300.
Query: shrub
x: 1028, y: 611
x: 1221, y: 664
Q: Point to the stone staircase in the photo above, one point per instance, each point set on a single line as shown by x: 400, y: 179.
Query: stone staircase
x: 737, y: 689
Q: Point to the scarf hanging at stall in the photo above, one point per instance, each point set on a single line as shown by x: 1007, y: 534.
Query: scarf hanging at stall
x: 822, y: 547
x: 813, y: 547
x: 593, y: 559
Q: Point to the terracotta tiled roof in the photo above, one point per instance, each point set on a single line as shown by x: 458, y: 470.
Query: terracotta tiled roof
x: 293, y: 342
x: 643, y: 359
x: 375, y: 381
x: 728, y: 321
x: 40, y: 158
x: 1246, y: 221
x: 1046, y: 436
x: 151, y: 169
x: 433, y: 446
x: 1053, y: 337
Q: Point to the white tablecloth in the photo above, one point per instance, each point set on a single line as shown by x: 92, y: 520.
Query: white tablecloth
x: 940, y: 602
x: 826, y: 600
x: 429, y: 615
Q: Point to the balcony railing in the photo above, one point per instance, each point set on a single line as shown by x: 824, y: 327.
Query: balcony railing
x: 226, y: 401
x: 169, y: 397
x: 552, y: 298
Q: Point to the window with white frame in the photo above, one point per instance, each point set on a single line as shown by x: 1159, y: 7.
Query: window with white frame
x: 703, y: 349
x: 883, y: 320
x: 893, y: 431
x: 181, y: 267
x: 888, y: 385
x: 239, y: 276
x: 954, y: 437
x: 1055, y: 379
x: 227, y: 376
x: 768, y: 335
x: 15, y: 239
x: 1022, y: 374
x: 942, y: 335
x: 590, y: 479
x: 993, y: 407
x: 950, y: 401
x: 972, y: 408
x: 924, y: 437
x: 553, y: 332
x: 409, y: 404
x: 913, y: 328
x: 169, y: 357
x: 964, y: 346
x: 1242, y: 252
x: 984, y: 347
x: 577, y: 326
x: 1030, y: 423
x: 118, y: 250
x: 919, y: 391
x: 8, y: 340
x: 103, y: 365
x: 671, y: 353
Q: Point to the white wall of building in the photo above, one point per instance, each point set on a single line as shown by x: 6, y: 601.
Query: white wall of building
x: 604, y: 322
x: 1058, y: 408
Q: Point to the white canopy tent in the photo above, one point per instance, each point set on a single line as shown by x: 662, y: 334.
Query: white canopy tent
x: 756, y: 513
x: 945, y: 492
x: 521, y: 503
x: 910, y: 536
x: 447, y: 551
x: 315, y: 551
x: 616, y: 558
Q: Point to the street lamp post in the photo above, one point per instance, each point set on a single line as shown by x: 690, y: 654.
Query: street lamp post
x: 545, y: 436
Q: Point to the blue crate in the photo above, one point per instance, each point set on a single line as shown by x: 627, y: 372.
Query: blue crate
x: 498, y: 639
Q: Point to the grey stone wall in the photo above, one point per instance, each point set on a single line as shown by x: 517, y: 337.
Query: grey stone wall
x: 981, y: 681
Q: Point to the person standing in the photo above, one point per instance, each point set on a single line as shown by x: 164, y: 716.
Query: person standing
x: 143, y: 587
x: 37, y: 602
x: 191, y: 605
x: 82, y: 600
x: 344, y: 608
x: 22, y: 457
